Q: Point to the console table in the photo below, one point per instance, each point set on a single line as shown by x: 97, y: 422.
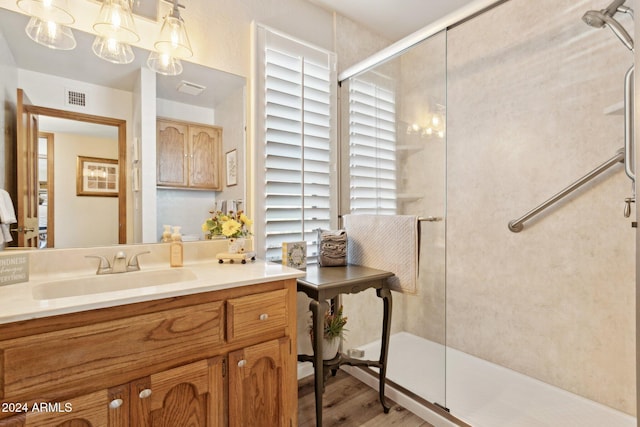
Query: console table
x: 327, y: 283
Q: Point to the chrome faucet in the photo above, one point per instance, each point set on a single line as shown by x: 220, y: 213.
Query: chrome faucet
x: 119, y: 264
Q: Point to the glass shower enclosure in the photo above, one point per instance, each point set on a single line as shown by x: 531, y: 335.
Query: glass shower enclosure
x: 393, y: 160
x: 468, y: 129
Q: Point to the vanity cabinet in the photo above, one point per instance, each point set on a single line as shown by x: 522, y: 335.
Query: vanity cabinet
x: 190, y: 395
x: 211, y: 359
x: 188, y: 155
x: 101, y: 408
x: 258, y: 385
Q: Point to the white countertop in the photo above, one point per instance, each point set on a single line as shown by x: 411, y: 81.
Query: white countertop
x: 17, y: 301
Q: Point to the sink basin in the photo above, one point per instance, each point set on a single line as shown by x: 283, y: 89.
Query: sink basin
x: 110, y: 282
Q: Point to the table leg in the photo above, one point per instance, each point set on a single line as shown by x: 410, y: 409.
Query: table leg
x: 318, y: 309
x: 385, y: 294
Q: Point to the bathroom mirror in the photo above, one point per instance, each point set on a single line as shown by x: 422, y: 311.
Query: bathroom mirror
x: 49, y: 76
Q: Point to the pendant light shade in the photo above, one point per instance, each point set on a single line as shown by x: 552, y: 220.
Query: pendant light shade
x: 173, y: 39
x: 50, y: 34
x: 115, y: 21
x: 165, y: 64
x: 112, y: 50
x: 47, y: 10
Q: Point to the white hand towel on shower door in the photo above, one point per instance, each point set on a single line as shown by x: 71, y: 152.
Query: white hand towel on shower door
x: 385, y: 242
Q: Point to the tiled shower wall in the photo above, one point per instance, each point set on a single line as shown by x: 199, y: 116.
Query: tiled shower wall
x: 527, y: 84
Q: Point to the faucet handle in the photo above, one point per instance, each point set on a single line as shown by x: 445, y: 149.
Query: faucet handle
x: 104, y: 265
x: 134, y: 265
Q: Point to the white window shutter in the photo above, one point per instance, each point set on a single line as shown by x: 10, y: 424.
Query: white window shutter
x: 296, y: 137
x: 372, y: 147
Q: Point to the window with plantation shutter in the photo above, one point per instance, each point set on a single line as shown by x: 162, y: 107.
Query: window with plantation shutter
x: 372, y: 146
x: 296, y: 89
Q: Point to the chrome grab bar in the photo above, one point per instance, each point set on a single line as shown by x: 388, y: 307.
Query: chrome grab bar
x: 517, y: 224
x: 629, y: 164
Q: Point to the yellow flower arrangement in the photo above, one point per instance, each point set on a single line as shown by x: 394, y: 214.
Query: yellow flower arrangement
x: 231, y: 224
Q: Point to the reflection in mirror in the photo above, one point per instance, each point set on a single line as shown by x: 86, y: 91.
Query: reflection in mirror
x: 61, y: 142
x: 53, y: 79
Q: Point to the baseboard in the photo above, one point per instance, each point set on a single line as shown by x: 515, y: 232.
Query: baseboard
x: 305, y: 369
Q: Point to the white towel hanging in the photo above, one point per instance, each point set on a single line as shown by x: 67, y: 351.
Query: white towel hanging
x: 386, y: 242
x: 7, y: 216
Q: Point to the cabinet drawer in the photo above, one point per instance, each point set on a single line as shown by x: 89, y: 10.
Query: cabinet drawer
x: 76, y: 358
x: 256, y: 315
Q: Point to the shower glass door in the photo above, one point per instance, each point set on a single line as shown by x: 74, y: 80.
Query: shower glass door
x: 393, y: 150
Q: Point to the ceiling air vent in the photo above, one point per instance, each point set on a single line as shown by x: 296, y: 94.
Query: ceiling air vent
x: 190, y: 88
x: 73, y: 97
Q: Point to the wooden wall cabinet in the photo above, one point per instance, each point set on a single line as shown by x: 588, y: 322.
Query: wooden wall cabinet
x: 189, y: 155
x: 158, y: 363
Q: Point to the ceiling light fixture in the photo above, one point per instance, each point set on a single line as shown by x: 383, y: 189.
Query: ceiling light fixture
x: 173, y: 38
x: 165, y: 64
x: 172, y: 44
x: 50, y: 34
x: 115, y: 21
x: 47, y: 25
x: 116, y: 29
x: 47, y: 10
x: 112, y: 50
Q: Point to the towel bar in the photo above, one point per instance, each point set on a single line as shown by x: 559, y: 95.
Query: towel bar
x: 430, y: 218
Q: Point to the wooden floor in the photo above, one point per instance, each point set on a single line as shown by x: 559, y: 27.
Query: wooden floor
x: 348, y: 402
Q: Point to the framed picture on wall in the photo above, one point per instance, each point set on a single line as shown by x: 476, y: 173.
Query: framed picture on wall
x: 232, y: 168
x: 97, y: 177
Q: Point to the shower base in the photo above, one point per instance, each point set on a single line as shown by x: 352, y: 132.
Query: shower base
x: 479, y: 392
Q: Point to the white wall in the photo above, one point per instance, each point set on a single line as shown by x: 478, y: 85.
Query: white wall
x: 144, y: 131
x: 230, y: 114
x: 527, y: 89
x: 9, y: 78
x: 46, y: 90
x: 82, y: 221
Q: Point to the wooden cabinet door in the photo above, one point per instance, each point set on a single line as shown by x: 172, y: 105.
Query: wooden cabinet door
x: 259, y: 392
x: 104, y: 408
x: 187, y: 396
x: 205, y: 158
x: 172, y: 154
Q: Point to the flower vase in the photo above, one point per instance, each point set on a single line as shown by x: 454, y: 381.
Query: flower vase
x: 236, y: 245
x: 330, y: 348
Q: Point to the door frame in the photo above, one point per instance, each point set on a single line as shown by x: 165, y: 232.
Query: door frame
x: 122, y: 153
x: 50, y: 187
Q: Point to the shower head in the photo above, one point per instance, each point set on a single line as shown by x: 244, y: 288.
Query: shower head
x: 600, y: 18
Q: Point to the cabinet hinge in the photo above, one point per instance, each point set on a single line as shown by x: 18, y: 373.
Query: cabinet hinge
x: 224, y: 368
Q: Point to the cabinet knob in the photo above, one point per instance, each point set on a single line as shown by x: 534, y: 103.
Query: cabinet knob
x: 115, y: 403
x: 241, y: 363
x: 145, y: 393
x: 264, y: 316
